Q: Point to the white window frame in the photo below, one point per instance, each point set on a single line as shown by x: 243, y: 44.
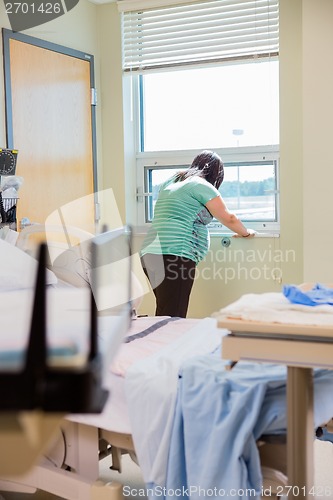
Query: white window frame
x: 141, y: 160
x: 228, y: 155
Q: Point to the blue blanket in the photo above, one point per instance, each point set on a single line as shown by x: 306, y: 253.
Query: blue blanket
x: 318, y: 295
x: 220, y: 415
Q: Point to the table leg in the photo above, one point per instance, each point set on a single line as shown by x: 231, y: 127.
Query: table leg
x: 300, y: 432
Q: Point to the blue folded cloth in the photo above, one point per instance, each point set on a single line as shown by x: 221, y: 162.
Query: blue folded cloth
x: 318, y: 295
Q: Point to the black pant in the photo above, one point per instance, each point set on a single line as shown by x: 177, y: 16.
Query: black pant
x: 171, y: 278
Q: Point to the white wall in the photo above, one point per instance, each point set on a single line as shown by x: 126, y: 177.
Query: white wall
x: 291, y: 140
x: 317, y: 76
x: 306, y: 65
x: 111, y: 104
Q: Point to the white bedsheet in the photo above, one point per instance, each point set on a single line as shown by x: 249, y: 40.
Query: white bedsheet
x: 68, y: 332
x: 276, y: 308
x: 143, y: 385
x: 67, y: 319
x: 115, y: 416
x: 151, y: 390
x: 68, y: 324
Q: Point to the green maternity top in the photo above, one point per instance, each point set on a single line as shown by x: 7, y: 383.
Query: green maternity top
x: 179, y: 226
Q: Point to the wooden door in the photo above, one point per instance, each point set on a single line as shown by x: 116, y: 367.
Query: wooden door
x: 50, y: 120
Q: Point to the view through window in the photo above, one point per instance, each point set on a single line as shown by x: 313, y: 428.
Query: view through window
x: 232, y: 105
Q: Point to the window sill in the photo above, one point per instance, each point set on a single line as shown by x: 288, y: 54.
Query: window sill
x: 225, y: 234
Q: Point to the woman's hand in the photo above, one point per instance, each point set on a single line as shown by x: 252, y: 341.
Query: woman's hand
x: 219, y: 210
x: 251, y: 234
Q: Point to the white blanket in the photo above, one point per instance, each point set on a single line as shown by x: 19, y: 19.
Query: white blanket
x: 276, y: 308
x: 151, y: 390
x: 67, y: 318
x: 141, y: 348
x: 177, y: 335
x: 68, y: 325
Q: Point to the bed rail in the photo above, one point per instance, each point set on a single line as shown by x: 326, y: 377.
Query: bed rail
x: 37, y: 386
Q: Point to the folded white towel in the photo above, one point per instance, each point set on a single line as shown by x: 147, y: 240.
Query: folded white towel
x: 276, y: 308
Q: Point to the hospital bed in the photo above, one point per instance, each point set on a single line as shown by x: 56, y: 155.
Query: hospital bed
x: 37, y: 390
x: 70, y: 467
x: 73, y: 336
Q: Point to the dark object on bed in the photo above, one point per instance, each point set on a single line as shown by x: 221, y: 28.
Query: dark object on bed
x: 8, y: 210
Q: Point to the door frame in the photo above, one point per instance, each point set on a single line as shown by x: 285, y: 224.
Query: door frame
x: 8, y: 35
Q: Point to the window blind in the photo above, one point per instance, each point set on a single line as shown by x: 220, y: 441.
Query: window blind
x: 199, y: 33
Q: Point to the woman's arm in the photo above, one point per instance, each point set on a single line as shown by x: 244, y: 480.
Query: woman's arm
x: 219, y: 210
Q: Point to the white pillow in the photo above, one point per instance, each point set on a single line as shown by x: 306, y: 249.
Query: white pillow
x: 73, y: 267
x: 8, y: 235
x: 18, y: 269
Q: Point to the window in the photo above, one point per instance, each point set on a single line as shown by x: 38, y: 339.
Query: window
x: 250, y: 187
x: 222, y: 95
x: 250, y: 190
x: 232, y: 105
